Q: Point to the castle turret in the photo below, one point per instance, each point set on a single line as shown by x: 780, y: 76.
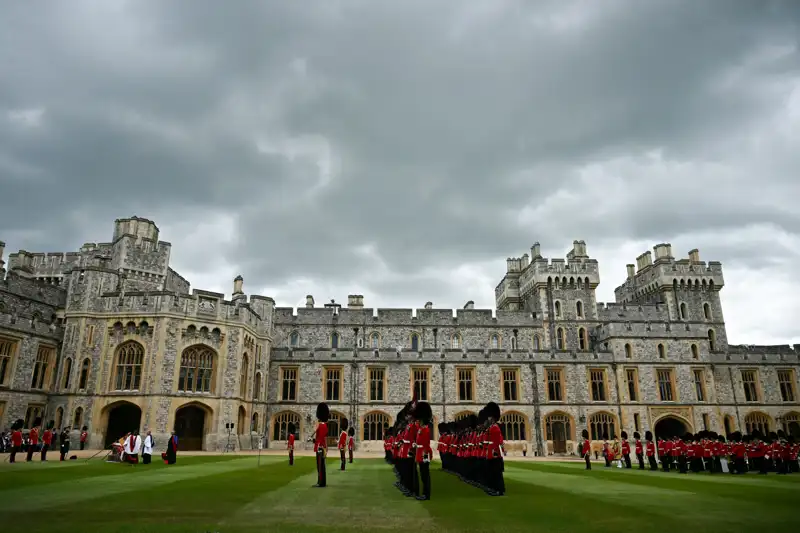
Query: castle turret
x: 355, y: 301
x: 238, y: 292
x: 309, y: 301
x: 2, y: 263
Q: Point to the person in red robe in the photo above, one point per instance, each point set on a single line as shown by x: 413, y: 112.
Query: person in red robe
x: 424, y: 416
x: 321, y: 443
x: 171, y: 455
x: 351, y: 442
x: 342, y: 444
x: 586, y: 449
x: 290, y: 442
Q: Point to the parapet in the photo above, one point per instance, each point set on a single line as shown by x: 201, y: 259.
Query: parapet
x: 141, y: 228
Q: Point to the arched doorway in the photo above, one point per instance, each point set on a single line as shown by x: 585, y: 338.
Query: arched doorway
x: 671, y: 426
x: 334, y: 423
x: 242, y: 421
x: 190, y: 423
x: 791, y: 424
x: 558, y: 428
x: 122, y: 419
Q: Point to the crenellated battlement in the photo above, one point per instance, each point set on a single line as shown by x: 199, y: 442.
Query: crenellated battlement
x: 609, y: 312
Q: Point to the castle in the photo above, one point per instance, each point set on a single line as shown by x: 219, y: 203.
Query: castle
x: 112, y: 338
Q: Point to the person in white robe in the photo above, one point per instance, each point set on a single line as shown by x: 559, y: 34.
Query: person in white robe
x: 147, y: 448
x: 133, y: 444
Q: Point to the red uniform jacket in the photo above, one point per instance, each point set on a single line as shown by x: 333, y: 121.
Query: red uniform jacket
x: 626, y: 448
x: 351, y: 444
x: 47, y: 437
x: 320, y: 437
x: 342, y: 440
x: 676, y: 449
x: 16, y: 438
x: 290, y: 442
x: 83, y: 436
x: 495, y: 442
x: 423, y: 449
x: 638, y: 447
x: 587, y: 447
x: 651, y: 449
x: 33, y: 436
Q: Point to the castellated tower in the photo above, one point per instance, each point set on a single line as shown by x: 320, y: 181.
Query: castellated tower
x: 688, y: 288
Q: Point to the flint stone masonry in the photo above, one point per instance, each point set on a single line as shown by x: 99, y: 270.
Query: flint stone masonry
x: 89, y: 303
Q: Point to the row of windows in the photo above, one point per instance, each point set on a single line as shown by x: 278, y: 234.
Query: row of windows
x: 35, y: 411
x: 495, y: 341
x: 706, y: 311
x: 510, y: 384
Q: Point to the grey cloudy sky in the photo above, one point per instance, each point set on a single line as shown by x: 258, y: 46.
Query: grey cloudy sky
x: 403, y: 150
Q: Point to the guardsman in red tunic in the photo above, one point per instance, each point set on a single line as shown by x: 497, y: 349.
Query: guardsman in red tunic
x: 321, y: 443
x: 494, y: 461
x: 638, y: 449
x: 650, y: 451
x: 424, y: 417
x: 290, y: 442
x: 794, y: 449
x: 626, y: 450
x: 47, y: 441
x: 33, y: 439
x: 351, y: 441
x: 84, y: 436
x: 586, y: 449
x: 16, y: 439
x: 342, y: 444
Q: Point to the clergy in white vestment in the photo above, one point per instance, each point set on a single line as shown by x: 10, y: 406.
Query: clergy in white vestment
x: 133, y: 444
x: 147, y: 448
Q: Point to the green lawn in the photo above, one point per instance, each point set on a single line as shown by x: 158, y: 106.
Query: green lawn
x: 230, y: 494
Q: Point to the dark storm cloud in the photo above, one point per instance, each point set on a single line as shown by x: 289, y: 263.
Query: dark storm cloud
x: 438, y: 134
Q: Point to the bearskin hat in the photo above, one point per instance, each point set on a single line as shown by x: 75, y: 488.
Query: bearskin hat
x: 472, y: 421
x: 84, y: 428
x: 736, y: 436
x: 781, y: 434
x: 791, y: 439
x: 18, y: 424
x: 482, y: 416
x: 37, y: 422
x: 323, y: 412
x: 351, y: 431
x: 720, y: 438
x: 493, y: 411
x: 625, y: 435
x: 648, y: 435
x: 343, y: 424
x: 756, y: 434
x: 51, y: 424
x: 636, y: 435
x: 423, y: 413
x: 585, y: 433
x: 688, y: 436
x: 290, y: 428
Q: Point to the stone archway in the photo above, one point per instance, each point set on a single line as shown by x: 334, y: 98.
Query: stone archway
x: 123, y: 417
x: 190, y: 424
x: 671, y: 426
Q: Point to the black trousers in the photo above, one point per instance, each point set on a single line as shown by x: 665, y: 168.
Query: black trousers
x: 627, y: 460
x: 665, y: 462
x: 64, y: 451
x: 682, y: 463
x: 588, y: 461
x: 341, y: 456
x: 652, y: 460
x: 495, y: 481
x: 45, y: 447
x: 412, y: 472
x: 640, y: 458
x: 425, y: 478
x: 322, y: 479
x: 291, y: 457
x: 31, y: 449
x: 350, y: 453
x: 12, y: 457
x: 82, y: 444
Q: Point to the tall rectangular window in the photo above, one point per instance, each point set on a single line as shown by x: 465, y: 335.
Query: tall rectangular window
x: 555, y: 385
x: 637, y: 423
x: 749, y: 383
x: 706, y: 422
x: 289, y: 384
x: 421, y: 383
x: 786, y: 382
x: 7, y: 349
x: 597, y: 377
x: 633, y: 384
x: 699, y: 385
x: 377, y: 377
x: 41, y: 368
x: 333, y: 384
x: 510, y: 385
x: 90, y: 336
x: 666, y: 389
x: 466, y: 383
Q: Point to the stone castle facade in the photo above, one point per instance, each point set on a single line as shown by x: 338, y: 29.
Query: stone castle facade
x: 112, y: 338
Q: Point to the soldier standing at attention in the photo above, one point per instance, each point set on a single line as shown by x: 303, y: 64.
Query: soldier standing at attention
x: 321, y: 443
x: 16, y: 439
x: 290, y: 442
x: 638, y: 449
x: 84, y: 436
x: 650, y: 450
x: 342, y: 445
x: 47, y: 441
x: 423, y: 455
x: 33, y: 439
x: 351, y: 442
x: 626, y: 449
x: 586, y: 449
x: 496, y: 484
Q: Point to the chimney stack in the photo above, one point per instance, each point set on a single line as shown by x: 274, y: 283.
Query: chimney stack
x: 694, y: 256
x: 2, y: 263
x: 309, y: 301
x: 469, y: 305
x: 631, y: 271
x: 536, y: 250
x: 355, y: 301
x: 238, y: 281
x: 428, y: 305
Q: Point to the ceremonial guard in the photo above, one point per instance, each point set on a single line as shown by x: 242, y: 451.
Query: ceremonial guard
x: 586, y: 449
x: 290, y: 442
x: 342, y: 444
x: 626, y: 449
x: 388, y: 445
x: 321, y: 443
x: 16, y: 439
x: 351, y: 442
x: 64, y: 439
x: 33, y: 439
x: 495, y: 482
x: 638, y: 449
x: 84, y: 436
x: 650, y: 450
x: 47, y: 440
x: 606, y: 450
x: 423, y: 453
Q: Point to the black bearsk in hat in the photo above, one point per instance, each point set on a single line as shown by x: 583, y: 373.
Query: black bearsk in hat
x: 290, y: 428
x: 585, y: 434
x: 423, y: 413
x: 37, y: 422
x: 648, y: 435
x: 351, y: 431
x: 636, y: 435
x: 343, y: 424
x: 492, y: 411
x: 323, y: 412
x: 17, y: 425
x: 625, y: 435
